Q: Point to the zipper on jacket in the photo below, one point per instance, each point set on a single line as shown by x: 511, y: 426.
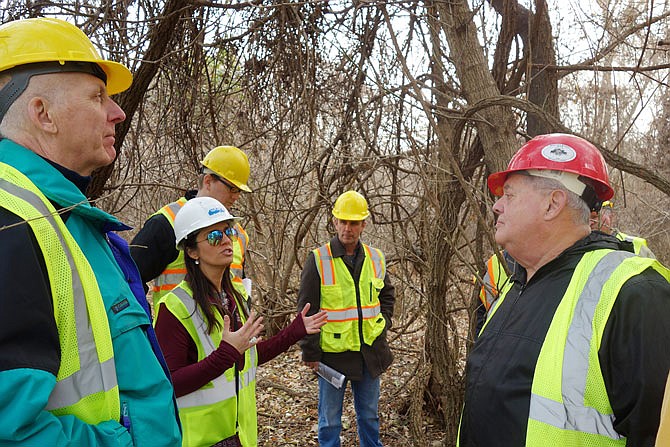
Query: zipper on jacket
x: 125, y: 418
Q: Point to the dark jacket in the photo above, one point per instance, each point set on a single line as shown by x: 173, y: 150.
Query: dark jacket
x: 154, y: 247
x: 377, y: 358
x: 634, y: 356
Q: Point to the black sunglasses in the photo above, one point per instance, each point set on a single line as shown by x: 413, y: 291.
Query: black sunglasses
x: 215, y: 237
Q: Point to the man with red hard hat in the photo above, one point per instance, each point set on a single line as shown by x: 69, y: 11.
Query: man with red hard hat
x: 570, y: 354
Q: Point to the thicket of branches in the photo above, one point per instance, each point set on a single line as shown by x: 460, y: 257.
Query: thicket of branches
x: 411, y: 103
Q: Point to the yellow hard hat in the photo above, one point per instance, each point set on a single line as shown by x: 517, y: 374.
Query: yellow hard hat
x: 351, y: 205
x: 229, y: 163
x: 29, y: 41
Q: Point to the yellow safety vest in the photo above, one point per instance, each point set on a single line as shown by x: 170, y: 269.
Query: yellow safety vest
x: 208, y: 415
x: 347, y: 302
x: 86, y: 384
x: 569, y: 404
x: 175, y: 271
x: 494, y: 279
x: 240, y: 244
x: 639, y: 244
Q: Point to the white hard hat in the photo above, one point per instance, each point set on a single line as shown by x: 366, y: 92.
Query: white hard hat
x: 197, y: 213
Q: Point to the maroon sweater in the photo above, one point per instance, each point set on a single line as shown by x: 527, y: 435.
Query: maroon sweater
x: 181, y: 354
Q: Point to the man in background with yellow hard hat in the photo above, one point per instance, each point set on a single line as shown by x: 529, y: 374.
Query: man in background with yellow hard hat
x: 224, y: 175
x: 79, y: 362
x: 348, y: 279
x: 604, y: 221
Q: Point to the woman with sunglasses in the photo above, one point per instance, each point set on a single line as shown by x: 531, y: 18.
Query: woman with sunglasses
x: 210, y: 339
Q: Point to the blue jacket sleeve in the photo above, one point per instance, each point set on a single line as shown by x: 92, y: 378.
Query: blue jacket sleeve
x: 24, y: 422
x: 30, y: 352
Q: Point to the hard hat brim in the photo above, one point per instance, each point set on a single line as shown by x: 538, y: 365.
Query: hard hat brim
x: 119, y: 78
x: 496, y: 182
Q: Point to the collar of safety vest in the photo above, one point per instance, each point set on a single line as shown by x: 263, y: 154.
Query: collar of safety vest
x: 593, y: 241
x: 55, y: 185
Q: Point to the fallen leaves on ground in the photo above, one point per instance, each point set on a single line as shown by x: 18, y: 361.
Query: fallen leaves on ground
x: 287, y: 397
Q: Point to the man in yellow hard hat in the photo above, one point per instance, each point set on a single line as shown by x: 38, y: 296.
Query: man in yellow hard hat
x: 348, y: 279
x: 224, y: 175
x: 79, y: 361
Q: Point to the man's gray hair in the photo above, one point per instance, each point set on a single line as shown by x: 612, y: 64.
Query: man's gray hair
x: 581, y: 210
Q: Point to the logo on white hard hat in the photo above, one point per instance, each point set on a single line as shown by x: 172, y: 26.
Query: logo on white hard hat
x: 214, y: 211
x: 560, y: 153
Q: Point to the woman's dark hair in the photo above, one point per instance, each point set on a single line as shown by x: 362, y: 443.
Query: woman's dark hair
x: 203, y: 289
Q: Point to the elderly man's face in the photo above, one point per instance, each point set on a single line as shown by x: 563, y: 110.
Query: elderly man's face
x: 85, y: 118
x: 519, y: 211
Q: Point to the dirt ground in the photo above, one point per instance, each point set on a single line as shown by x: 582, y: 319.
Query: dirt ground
x: 287, y: 397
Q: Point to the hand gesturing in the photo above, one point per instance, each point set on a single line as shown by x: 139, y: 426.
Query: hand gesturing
x: 314, y: 322
x: 246, y: 336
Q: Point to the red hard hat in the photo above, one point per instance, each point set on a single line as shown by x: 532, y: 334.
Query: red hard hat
x: 558, y: 152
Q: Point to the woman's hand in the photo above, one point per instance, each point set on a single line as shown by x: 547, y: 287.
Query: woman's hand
x: 314, y: 322
x: 246, y: 336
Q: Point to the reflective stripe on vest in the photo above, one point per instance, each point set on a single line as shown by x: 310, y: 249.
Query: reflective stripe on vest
x: 351, y: 314
x: 494, y: 281
x: 208, y: 415
x: 176, y: 270
x: 325, y: 265
x: 339, y: 299
x: 639, y: 244
x: 87, y: 364
x: 569, y: 404
x: 237, y: 266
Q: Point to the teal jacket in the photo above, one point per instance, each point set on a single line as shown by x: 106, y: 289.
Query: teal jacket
x: 26, y: 378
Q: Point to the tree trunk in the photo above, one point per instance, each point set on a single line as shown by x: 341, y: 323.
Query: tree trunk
x: 496, y: 125
x: 495, y: 130
x: 159, y: 38
x: 543, y: 82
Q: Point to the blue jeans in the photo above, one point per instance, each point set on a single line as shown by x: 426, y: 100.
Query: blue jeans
x: 366, y: 400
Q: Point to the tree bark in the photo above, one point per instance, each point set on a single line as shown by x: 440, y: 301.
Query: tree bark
x: 159, y: 38
x: 496, y: 130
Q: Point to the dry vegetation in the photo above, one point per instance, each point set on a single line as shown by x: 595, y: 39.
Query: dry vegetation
x: 413, y: 104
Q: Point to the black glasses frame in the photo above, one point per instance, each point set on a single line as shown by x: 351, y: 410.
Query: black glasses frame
x: 232, y: 188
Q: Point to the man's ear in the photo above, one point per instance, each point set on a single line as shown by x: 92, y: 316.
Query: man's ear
x: 207, y: 181
x: 557, y: 200
x: 41, y: 114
